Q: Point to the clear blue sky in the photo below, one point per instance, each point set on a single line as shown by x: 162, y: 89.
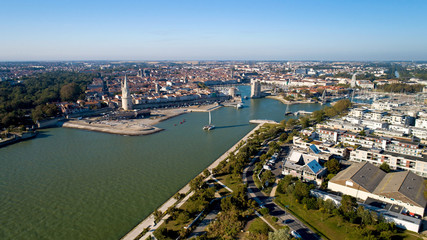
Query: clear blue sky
x: 213, y: 30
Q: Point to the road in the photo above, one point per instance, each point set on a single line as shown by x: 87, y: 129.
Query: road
x: 274, y: 209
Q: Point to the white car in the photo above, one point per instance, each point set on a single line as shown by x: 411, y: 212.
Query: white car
x: 295, y: 234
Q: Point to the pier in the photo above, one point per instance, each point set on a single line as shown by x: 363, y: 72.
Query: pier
x: 302, y: 112
x: 262, y: 121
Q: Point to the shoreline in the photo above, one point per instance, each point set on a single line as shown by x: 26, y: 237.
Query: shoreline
x: 131, y: 127
x: 149, y: 220
x: 278, y: 98
x: 136, y: 127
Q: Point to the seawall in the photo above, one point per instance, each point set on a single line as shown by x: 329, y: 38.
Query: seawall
x: 149, y: 220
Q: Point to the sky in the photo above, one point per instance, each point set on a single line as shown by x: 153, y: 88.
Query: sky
x: 213, y: 30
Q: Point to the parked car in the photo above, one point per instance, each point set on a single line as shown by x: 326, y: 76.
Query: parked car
x: 295, y: 234
x: 287, y: 221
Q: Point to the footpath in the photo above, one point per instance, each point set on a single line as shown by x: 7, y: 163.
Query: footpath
x: 149, y: 221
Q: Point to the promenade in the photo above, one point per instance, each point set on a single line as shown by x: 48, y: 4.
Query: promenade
x: 149, y: 221
x: 130, y: 127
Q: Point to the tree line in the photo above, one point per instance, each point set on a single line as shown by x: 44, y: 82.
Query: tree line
x: 372, y: 225
x: 23, y: 103
x: 401, y: 88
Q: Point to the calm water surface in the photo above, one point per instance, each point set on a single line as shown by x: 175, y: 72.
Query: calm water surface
x: 76, y: 184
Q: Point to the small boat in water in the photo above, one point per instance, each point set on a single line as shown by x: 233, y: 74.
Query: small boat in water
x: 210, y: 126
x: 239, y: 105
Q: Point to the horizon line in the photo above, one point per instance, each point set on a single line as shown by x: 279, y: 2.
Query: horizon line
x: 209, y: 60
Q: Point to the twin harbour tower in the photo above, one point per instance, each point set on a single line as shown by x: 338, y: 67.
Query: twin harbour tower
x: 126, y: 98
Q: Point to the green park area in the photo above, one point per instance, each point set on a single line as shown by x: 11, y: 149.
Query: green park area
x: 345, y: 222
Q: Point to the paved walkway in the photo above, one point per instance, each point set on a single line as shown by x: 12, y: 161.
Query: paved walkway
x: 222, y: 184
x: 262, y: 218
x: 149, y: 221
x: 273, y: 191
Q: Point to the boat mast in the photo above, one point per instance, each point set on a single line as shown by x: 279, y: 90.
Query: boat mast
x: 209, y: 117
x: 323, y: 96
x: 352, y: 96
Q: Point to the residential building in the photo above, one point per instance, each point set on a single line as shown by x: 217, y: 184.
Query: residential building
x: 395, y: 160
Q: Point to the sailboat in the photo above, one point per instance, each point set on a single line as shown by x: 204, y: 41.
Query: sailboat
x: 210, y: 126
x: 323, y: 97
x: 240, y: 104
x: 287, y: 110
x: 352, y: 95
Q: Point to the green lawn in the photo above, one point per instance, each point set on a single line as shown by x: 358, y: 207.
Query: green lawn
x: 329, y: 226
x: 233, y: 182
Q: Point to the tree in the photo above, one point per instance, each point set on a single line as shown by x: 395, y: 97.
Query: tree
x: 284, y: 183
x: 342, y: 105
x: 70, y: 92
x: 329, y: 205
x: 302, y: 190
x: 365, y: 215
x: 179, y: 196
x: 348, y: 205
x: 291, y: 123
x: 227, y: 226
x: 157, y: 215
x: 44, y: 111
x: 330, y: 112
x: 263, y: 157
x: 267, y: 178
x: 206, y: 173
x: 333, y: 166
x: 385, y: 167
x: 283, y: 137
x: 196, y: 183
x: 318, y: 116
x: 274, y: 146
x: 281, y: 234
x: 305, y: 122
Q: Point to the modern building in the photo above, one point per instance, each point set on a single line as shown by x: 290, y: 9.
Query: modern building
x: 305, y: 166
x: 364, y: 180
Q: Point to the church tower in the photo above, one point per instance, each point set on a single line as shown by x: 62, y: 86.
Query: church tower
x: 126, y: 98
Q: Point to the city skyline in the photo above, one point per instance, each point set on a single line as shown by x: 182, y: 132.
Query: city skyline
x: 191, y: 30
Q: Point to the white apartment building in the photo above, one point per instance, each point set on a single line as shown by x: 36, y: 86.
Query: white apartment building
x: 421, y: 123
x: 417, y: 165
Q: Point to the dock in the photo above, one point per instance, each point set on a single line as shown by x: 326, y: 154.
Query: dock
x: 262, y: 121
x: 302, y: 112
